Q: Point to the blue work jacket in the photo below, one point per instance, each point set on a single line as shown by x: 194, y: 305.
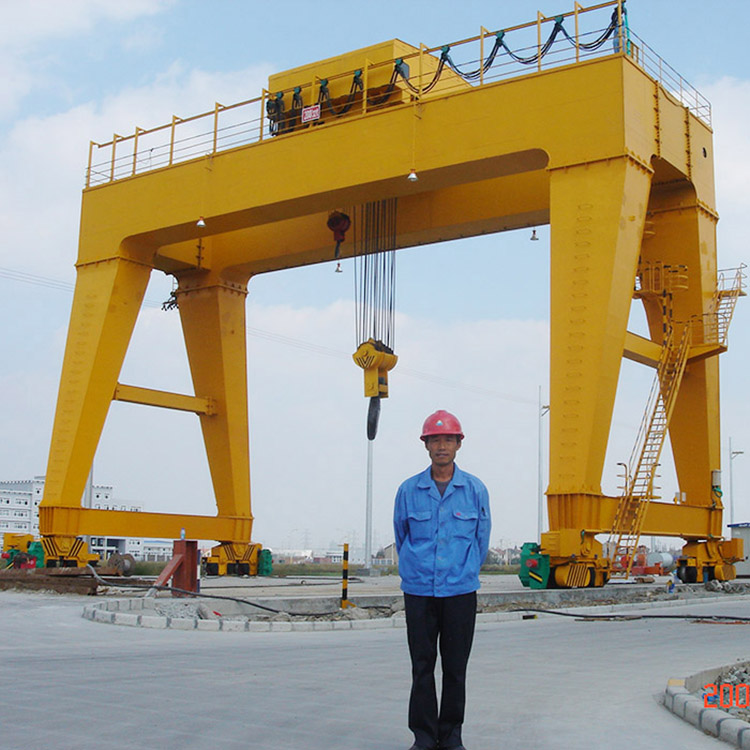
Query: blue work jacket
x: 441, y: 541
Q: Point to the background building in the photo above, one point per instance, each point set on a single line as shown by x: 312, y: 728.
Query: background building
x: 19, y: 514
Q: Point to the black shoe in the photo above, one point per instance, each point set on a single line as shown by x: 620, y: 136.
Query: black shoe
x: 421, y: 747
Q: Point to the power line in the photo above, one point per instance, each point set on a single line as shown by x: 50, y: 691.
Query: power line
x: 52, y: 283
x: 408, y: 371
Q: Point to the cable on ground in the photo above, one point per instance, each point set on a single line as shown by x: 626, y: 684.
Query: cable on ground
x: 203, y: 596
x: 579, y: 616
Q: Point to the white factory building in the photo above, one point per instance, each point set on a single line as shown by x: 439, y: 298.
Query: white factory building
x: 19, y: 514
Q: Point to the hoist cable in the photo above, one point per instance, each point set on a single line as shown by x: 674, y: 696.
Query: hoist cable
x: 375, y: 273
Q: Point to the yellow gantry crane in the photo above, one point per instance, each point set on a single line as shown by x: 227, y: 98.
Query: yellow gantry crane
x: 587, y: 130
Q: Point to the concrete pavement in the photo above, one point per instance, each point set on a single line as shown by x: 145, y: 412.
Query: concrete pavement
x: 546, y: 683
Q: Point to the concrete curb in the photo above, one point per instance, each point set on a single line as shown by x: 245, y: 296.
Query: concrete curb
x: 140, y: 613
x: 681, y: 700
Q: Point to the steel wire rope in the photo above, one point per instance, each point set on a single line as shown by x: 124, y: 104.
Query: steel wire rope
x: 374, y: 277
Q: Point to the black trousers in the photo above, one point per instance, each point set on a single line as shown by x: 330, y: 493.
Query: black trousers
x: 448, y: 624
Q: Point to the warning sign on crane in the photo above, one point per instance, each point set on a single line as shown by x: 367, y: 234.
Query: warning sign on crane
x: 311, y: 113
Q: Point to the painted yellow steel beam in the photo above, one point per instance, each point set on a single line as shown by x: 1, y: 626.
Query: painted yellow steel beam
x: 571, y: 114
x: 593, y: 206
x: 106, y: 302
x: 213, y: 322
x: 684, y: 231
x: 483, y: 207
x: 596, y: 513
x: 641, y: 350
x: 163, y: 399
x: 67, y: 521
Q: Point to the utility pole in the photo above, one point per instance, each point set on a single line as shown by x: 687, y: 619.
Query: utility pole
x: 368, y: 503
x: 542, y: 410
x: 732, y: 456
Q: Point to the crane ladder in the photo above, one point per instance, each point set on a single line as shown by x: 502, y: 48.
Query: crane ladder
x: 639, y: 481
x: 725, y: 299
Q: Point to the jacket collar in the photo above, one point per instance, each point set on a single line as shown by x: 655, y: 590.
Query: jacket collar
x: 426, y: 481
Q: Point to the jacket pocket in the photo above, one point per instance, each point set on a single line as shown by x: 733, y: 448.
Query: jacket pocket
x: 420, y: 524
x: 465, y: 522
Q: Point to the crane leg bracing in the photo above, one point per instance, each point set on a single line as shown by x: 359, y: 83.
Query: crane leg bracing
x: 598, y: 148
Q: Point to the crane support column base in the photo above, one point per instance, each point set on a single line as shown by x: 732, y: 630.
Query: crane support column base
x: 705, y: 561
x: 567, y: 558
x: 233, y: 558
x: 67, y: 552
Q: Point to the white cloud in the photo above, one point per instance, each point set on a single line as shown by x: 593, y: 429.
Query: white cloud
x: 44, y: 158
x: 35, y: 21
x: 730, y: 100
x: 29, y: 27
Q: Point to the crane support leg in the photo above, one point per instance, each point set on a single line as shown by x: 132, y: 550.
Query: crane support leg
x: 597, y: 213
x: 107, y: 299
x: 213, y: 323
x: 685, y: 232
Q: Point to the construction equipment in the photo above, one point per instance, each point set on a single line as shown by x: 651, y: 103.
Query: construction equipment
x: 233, y: 559
x: 66, y: 551
x: 21, y: 552
x: 588, y: 130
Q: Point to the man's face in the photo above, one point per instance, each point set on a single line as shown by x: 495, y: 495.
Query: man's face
x: 442, y: 448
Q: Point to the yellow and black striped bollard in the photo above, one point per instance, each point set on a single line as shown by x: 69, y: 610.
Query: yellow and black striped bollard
x: 345, y: 579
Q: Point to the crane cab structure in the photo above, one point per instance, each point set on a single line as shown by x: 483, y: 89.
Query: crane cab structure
x: 586, y: 129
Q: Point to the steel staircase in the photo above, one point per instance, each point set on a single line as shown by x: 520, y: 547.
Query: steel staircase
x: 725, y: 299
x: 639, y: 481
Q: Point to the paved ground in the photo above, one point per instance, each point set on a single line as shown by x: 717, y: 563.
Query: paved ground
x: 546, y: 683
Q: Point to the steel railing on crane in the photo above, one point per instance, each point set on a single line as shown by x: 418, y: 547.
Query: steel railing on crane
x: 477, y: 61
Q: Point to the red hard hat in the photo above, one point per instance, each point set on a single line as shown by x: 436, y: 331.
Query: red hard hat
x: 441, y: 423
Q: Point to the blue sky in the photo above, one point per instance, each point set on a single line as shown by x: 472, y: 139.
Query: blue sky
x: 80, y: 70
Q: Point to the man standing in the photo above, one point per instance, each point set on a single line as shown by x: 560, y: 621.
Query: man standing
x: 442, y: 524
